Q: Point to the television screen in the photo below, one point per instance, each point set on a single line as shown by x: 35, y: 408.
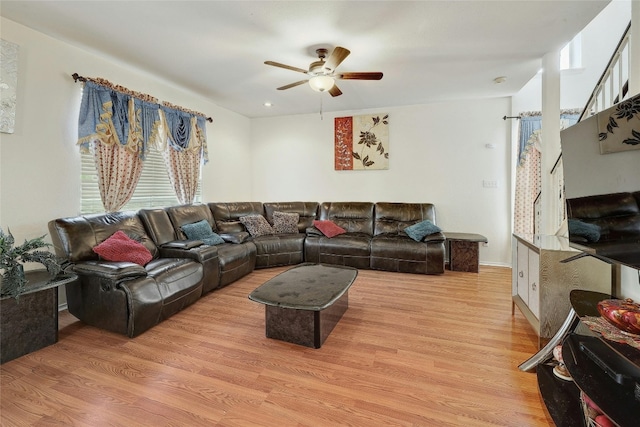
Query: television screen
x: 601, y: 162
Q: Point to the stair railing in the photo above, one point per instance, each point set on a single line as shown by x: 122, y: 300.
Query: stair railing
x: 612, y: 87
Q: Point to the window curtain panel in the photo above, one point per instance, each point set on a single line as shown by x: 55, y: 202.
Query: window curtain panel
x: 117, y: 129
x: 528, y: 179
x: 185, y: 148
x: 529, y: 169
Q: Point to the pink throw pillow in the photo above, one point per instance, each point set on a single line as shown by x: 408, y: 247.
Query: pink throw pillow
x: 120, y: 247
x: 328, y: 228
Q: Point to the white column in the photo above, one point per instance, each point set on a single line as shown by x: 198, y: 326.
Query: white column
x: 634, y: 49
x: 550, y: 137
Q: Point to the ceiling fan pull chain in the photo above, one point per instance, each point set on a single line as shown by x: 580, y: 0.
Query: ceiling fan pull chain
x: 321, y: 96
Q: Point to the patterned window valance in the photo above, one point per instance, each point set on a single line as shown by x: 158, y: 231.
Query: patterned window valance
x: 113, y: 114
x: 118, y: 126
x: 530, y: 125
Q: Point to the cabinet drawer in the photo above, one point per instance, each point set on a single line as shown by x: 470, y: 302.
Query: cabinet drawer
x: 534, y: 283
x: 523, y: 272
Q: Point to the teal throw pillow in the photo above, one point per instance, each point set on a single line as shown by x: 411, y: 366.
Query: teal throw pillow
x: 201, y: 230
x: 421, y: 229
x: 590, y: 232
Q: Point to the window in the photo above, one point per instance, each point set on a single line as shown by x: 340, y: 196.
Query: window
x: 571, y: 54
x: 154, y: 188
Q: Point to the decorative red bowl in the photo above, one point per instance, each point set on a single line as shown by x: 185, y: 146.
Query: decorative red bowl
x: 624, y: 314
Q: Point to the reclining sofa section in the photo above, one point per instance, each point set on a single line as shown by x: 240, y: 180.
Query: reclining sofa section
x: 129, y: 298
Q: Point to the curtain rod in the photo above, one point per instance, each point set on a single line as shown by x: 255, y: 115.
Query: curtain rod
x: 571, y: 111
x: 142, y: 96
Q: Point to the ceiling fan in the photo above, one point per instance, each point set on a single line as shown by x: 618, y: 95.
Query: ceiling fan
x: 322, y: 74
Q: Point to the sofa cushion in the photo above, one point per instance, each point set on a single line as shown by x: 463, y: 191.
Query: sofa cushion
x: 590, y: 232
x: 201, y: 230
x: 307, y: 212
x: 285, y: 222
x: 328, y: 228
x: 421, y: 229
x: 256, y: 225
x: 120, y: 247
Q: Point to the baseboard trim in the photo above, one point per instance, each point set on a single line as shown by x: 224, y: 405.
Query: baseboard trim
x: 496, y: 264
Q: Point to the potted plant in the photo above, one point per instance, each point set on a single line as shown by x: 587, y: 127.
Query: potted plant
x: 28, y: 322
x: 12, y: 258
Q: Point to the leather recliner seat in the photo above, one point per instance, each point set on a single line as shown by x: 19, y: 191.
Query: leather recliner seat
x: 393, y: 250
x: 271, y: 250
x: 122, y: 297
x: 353, y: 248
x: 232, y: 260
x: 164, y: 233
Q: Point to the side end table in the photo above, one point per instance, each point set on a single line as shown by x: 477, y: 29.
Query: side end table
x: 31, y: 322
x: 463, y: 251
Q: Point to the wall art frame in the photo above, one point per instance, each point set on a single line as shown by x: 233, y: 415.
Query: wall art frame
x: 8, y: 85
x: 361, y: 142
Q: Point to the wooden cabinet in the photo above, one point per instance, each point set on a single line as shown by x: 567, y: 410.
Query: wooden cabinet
x: 542, y: 282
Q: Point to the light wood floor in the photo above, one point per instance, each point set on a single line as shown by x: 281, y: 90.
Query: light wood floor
x: 411, y: 350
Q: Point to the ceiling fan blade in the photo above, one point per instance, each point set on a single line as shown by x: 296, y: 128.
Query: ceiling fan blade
x: 337, y: 56
x: 289, y: 86
x: 288, y: 67
x: 335, y: 91
x: 359, y: 76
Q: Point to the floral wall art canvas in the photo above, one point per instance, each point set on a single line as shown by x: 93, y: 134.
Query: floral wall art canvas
x: 361, y: 142
x: 619, y: 127
x: 8, y: 84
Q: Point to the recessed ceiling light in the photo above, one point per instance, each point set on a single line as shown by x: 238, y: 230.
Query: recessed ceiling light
x: 268, y: 104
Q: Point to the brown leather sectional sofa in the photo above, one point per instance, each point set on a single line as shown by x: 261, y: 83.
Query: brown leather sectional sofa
x: 129, y: 298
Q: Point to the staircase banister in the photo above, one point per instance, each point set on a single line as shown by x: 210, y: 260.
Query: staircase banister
x: 596, y: 89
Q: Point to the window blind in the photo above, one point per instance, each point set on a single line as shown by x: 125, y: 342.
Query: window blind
x: 153, y: 190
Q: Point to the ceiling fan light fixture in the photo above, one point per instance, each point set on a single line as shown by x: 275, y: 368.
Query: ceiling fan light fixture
x: 321, y: 83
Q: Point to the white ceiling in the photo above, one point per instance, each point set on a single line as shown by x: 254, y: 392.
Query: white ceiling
x: 429, y: 51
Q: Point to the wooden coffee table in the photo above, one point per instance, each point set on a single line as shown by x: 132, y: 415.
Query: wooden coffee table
x: 304, y: 303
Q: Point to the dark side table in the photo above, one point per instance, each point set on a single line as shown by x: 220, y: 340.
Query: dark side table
x: 463, y: 251
x: 31, y: 322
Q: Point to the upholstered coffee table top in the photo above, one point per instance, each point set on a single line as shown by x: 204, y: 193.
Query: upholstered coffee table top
x: 306, y: 287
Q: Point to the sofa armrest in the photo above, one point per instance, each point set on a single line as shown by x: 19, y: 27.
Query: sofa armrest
x: 237, y: 237
x: 114, y: 271
x: 199, y: 253
x: 313, y: 231
x: 435, y: 237
x: 182, y: 244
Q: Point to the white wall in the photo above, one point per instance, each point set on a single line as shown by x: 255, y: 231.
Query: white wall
x: 437, y: 155
x: 40, y: 163
x: 599, y: 39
